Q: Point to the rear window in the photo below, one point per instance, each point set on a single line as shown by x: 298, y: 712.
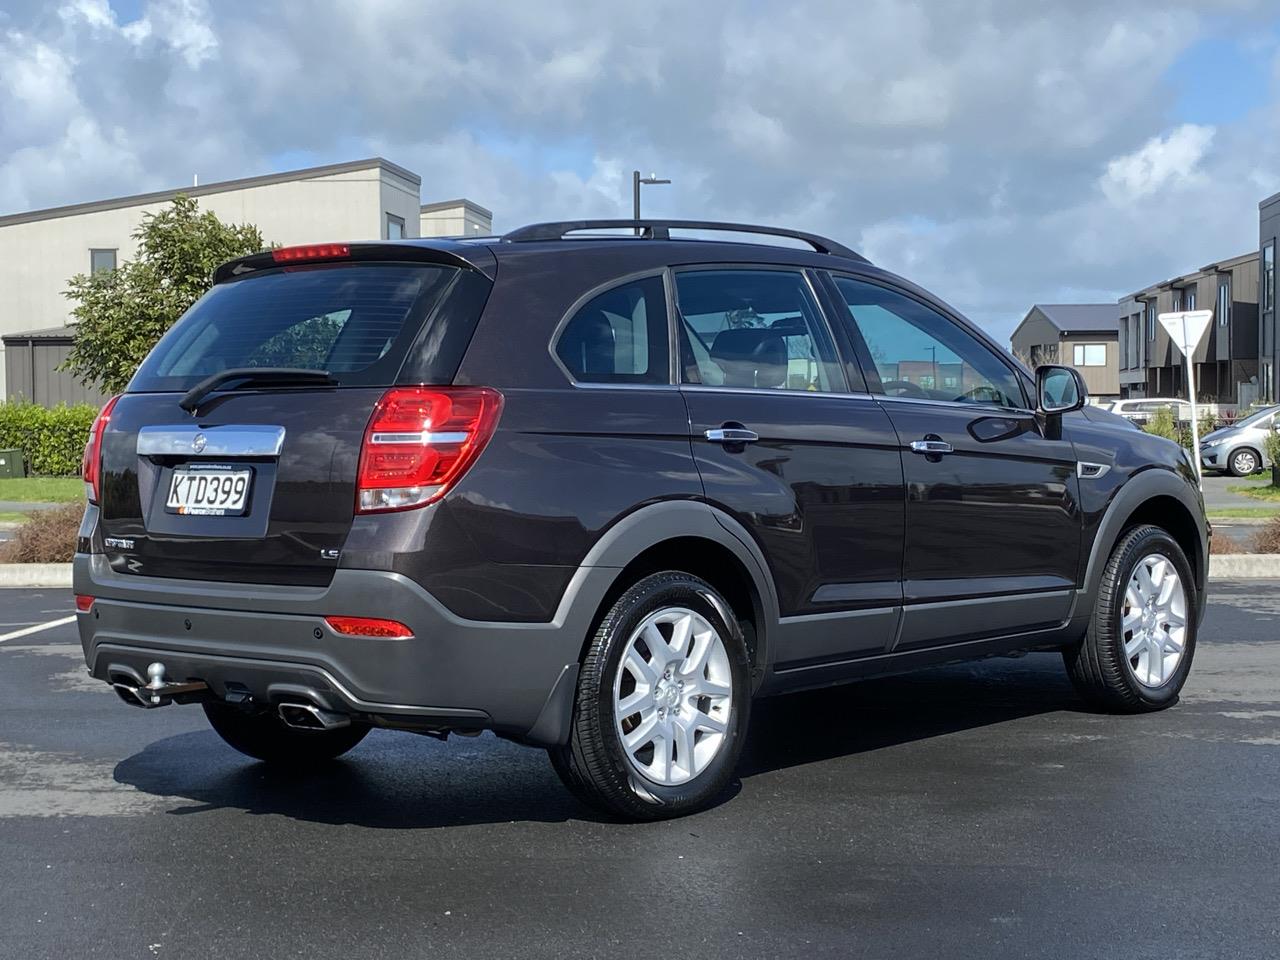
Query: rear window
x: 357, y: 321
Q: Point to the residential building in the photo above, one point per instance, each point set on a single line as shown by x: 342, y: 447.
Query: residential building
x: 40, y: 250
x: 1080, y: 335
x: 1226, y: 359
x: 1268, y: 343
x: 455, y: 218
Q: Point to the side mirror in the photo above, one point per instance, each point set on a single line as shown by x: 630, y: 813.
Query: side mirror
x: 1059, y: 390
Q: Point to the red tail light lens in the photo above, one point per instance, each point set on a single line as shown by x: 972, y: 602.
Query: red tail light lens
x: 420, y: 441
x: 369, y: 627
x: 311, y: 251
x: 91, y: 463
x: 84, y: 602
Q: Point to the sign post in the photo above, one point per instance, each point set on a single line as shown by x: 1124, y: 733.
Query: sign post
x: 1186, y: 329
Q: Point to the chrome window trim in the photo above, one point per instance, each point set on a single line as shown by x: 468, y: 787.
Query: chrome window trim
x: 591, y: 294
x: 777, y: 392
x: 235, y: 440
x: 959, y: 405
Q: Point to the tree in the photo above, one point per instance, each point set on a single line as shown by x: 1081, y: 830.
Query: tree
x: 121, y: 313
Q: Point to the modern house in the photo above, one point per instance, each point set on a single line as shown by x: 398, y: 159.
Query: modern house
x: 1226, y: 361
x: 1080, y: 335
x: 41, y: 249
x: 1268, y: 347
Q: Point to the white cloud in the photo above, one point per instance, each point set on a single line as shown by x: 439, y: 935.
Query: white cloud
x: 1171, y: 161
x: 999, y: 154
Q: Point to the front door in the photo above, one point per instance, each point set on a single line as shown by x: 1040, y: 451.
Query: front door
x: 993, y: 520
x: 811, y: 471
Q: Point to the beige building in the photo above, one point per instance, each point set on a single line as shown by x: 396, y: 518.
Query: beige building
x: 1080, y: 335
x: 40, y: 250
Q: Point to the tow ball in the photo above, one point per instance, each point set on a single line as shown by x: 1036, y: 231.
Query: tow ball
x: 158, y: 692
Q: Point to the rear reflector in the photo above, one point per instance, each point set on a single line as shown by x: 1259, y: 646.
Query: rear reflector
x: 368, y: 627
x: 84, y: 603
x: 91, y: 462
x: 311, y: 251
x: 420, y: 441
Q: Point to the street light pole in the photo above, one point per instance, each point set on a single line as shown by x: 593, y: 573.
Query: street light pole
x: 636, y: 181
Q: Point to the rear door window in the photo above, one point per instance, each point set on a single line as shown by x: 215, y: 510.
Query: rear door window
x: 619, y: 336
x: 355, y: 321
x: 755, y: 329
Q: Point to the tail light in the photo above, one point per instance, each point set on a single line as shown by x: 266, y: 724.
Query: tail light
x: 369, y: 627
x: 311, y: 251
x: 84, y: 603
x: 419, y: 443
x: 91, y: 464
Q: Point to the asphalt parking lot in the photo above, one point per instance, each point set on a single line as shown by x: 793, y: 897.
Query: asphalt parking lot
x: 972, y: 810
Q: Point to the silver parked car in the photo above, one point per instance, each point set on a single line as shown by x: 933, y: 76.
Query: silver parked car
x: 1240, y: 449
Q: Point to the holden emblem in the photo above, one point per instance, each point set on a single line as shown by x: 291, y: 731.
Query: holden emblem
x: 199, y: 442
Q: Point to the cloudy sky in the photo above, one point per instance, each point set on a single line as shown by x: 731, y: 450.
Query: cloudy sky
x: 1000, y: 152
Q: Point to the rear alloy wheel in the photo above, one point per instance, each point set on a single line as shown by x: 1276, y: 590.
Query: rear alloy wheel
x: 662, y: 702
x: 1244, y: 462
x: 264, y: 736
x: 1137, y: 652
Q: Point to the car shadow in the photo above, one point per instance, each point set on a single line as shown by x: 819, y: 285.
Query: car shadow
x: 399, y: 781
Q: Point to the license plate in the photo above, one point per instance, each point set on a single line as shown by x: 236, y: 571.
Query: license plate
x: 209, y: 492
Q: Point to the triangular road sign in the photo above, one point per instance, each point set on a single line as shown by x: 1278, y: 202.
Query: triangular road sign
x: 1186, y: 328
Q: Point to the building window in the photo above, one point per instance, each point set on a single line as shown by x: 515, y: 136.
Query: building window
x: 395, y: 227
x: 1224, y: 301
x: 1151, y: 320
x: 1269, y: 276
x: 1191, y: 299
x: 1177, y: 300
x: 102, y: 260
x: 1090, y: 355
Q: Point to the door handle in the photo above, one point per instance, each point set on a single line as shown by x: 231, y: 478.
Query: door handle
x: 731, y: 435
x: 931, y: 447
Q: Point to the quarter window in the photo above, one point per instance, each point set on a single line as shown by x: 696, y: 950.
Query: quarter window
x: 756, y: 329
x: 919, y: 353
x: 619, y: 336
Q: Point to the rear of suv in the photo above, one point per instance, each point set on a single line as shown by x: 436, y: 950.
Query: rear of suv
x: 596, y: 494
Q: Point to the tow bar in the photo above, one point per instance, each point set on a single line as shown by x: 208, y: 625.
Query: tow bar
x: 158, y: 692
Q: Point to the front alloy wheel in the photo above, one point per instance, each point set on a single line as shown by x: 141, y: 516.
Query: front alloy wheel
x: 1137, y: 652
x: 662, y: 702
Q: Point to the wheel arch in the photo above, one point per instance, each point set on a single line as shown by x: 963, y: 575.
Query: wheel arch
x: 1164, y: 499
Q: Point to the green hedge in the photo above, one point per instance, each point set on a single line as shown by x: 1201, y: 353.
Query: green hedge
x: 51, y: 438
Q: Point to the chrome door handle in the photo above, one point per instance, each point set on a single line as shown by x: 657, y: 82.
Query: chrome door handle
x: 935, y: 447
x: 731, y: 435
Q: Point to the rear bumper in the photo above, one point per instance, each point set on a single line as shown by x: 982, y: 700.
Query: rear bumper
x: 515, y: 678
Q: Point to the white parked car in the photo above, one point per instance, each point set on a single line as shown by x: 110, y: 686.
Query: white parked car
x: 1141, y: 409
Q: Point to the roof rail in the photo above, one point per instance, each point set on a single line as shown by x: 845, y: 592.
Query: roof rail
x: 661, y: 230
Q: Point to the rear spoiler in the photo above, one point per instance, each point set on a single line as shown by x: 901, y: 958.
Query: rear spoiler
x: 478, y: 257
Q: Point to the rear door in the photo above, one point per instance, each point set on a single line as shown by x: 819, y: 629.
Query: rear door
x: 809, y: 468
x: 993, y: 520
x: 259, y: 484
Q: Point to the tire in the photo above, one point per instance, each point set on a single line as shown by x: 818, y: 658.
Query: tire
x: 695, y: 744
x: 1243, y: 462
x: 264, y: 736
x: 1151, y: 678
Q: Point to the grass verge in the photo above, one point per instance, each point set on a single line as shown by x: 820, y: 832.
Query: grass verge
x: 1269, y: 493
x: 42, y: 489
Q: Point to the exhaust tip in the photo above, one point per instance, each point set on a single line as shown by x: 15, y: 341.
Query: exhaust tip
x: 307, y: 716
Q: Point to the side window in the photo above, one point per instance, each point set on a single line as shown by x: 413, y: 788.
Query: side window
x: 754, y: 328
x: 619, y: 336
x: 920, y: 353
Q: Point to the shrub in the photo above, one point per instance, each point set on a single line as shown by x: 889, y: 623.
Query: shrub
x: 1162, y: 424
x: 1272, y: 448
x: 1220, y: 543
x: 51, y: 438
x: 1268, y: 539
x: 47, y: 536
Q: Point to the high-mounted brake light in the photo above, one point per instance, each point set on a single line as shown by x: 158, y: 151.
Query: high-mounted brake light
x: 91, y: 463
x: 369, y: 627
x: 419, y: 443
x: 311, y: 251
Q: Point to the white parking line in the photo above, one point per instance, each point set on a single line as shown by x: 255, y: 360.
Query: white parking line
x: 38, y: 628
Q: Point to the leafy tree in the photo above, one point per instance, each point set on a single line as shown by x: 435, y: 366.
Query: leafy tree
x: 1162, y: 424
x: 121, y: 313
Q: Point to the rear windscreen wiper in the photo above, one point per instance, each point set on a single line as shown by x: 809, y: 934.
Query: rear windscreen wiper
x: 245, y: 376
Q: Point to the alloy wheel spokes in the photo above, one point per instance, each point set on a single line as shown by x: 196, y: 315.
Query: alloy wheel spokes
x: 673, y: 696
x: 1153, y: 620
